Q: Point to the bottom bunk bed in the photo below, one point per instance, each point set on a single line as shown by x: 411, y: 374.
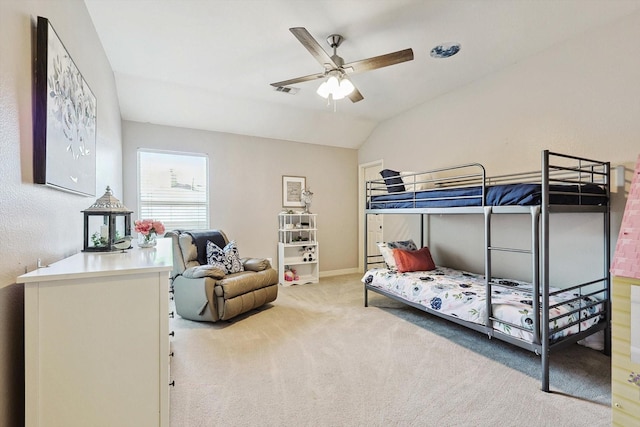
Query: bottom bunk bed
x: 512, y: 314
x: 463, y: 296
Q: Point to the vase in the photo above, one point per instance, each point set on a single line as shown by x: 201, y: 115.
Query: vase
x: 147, y: 241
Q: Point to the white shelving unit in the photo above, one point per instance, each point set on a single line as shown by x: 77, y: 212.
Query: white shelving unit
x: 295, y: 232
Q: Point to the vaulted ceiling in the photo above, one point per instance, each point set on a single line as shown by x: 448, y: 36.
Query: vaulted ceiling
x: 208, y: 64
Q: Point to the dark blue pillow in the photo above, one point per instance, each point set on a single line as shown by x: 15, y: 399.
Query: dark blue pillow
x: 392, y: 180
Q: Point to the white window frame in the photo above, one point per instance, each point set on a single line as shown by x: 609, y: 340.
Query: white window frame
x: 170, y: 223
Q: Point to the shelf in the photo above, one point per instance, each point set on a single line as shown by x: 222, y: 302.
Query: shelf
x: 290, y: 253
x: 303, y: 243
x: 296, y: 261
x: 303, y: 280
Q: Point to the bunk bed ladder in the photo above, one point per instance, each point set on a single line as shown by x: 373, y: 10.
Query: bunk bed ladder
x: 534, y: 252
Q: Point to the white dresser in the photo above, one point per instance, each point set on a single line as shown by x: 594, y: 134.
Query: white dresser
x: 97, y: 339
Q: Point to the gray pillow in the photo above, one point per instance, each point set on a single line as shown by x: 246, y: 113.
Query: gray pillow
x: 255, y: 264
x: 203, y: 271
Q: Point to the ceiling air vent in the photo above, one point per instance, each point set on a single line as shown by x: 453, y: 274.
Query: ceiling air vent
x: 289, y: 90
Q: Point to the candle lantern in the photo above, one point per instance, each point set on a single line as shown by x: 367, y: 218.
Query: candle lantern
x: 106, y: 221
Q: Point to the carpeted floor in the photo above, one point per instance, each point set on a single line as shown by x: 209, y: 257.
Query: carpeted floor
x: 317, y: 357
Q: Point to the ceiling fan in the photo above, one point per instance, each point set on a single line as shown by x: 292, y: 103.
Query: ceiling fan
x: 335, y: 68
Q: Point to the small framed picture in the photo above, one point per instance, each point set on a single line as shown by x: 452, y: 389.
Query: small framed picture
x: 292, y: 187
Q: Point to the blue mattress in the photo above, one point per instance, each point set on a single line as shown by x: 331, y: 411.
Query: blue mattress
x: 497, y: 195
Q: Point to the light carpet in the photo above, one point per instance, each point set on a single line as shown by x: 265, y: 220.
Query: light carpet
x: 317, y: 357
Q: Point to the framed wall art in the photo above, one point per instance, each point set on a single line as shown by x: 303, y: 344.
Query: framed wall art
x: 65, y: 118
x: 292, y: 187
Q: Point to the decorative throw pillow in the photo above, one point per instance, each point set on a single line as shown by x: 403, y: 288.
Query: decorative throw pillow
x: 386, y: 250
x: 407, y: 245
x: 387, y: 255
x: 227, y: 259
x: 419, y: 260
x: 416, y: 182
x: 392, y: 180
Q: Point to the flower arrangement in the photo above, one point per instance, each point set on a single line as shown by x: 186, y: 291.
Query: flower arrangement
x: 148, y: 229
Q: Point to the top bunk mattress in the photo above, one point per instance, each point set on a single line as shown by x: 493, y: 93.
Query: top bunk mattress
x: 497, y: 195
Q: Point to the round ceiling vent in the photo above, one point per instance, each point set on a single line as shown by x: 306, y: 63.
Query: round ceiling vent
x: 445, y: 50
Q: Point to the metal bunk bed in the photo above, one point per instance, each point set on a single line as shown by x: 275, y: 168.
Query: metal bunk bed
x: 564, y: 184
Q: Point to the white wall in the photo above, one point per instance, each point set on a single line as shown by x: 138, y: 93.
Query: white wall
x: 245, y: 180
x: 581, y: 97
x: 36, y: 221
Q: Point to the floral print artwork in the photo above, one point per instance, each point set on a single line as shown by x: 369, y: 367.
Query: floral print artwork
x: 71, y: 118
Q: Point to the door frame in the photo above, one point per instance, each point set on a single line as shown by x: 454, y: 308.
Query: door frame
x: 361, y: 205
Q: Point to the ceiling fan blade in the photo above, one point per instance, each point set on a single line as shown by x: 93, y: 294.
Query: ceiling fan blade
x: 313, y: 46
x: 356, y: 96
x: 379, y: 61
x: 298, y: 80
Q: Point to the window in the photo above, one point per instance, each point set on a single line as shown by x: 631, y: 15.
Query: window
x: 173, y: 189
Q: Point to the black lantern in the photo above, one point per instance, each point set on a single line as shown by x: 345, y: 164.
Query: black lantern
x: 105, y: 222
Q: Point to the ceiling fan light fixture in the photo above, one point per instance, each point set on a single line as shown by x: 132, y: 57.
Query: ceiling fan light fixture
x: 323, y: 90
x: 346, y: 87
x: 333, y: 84
x: 336, y: 87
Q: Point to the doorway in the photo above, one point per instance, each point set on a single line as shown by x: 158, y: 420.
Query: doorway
x: 375, y: 223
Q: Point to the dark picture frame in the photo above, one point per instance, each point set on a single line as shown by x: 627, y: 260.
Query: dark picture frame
x: 65, y: 118
x: 292, y: 187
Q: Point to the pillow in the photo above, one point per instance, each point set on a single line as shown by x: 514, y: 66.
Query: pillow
x: 419, y: 260
x: 408, y: 245
x: 201, y: 271
x: 200, y: 239
x: 386, y: 250
x: 392, y: 180
x: 226, y: 259
x: 387, y: 255
x: 412, y: 182
x: 255, y: 264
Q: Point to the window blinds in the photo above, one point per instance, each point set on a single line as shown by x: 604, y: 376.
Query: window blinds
x: 173, y: 189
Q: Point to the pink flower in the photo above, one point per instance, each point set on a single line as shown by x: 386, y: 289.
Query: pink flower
x: 148, y: 226
x: 158, y: 227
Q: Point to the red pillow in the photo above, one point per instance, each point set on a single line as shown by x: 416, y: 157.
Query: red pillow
x: 419, y: 260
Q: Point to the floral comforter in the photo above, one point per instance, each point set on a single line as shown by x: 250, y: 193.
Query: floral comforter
x: 463, y: 295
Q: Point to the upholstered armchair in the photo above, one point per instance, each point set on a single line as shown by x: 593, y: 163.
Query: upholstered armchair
x: 206, y: 292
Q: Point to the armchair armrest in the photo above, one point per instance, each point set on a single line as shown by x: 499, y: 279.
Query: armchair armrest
x: 255, y: 264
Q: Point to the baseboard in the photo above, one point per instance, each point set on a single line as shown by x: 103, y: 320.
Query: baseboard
x: 342, y: 272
